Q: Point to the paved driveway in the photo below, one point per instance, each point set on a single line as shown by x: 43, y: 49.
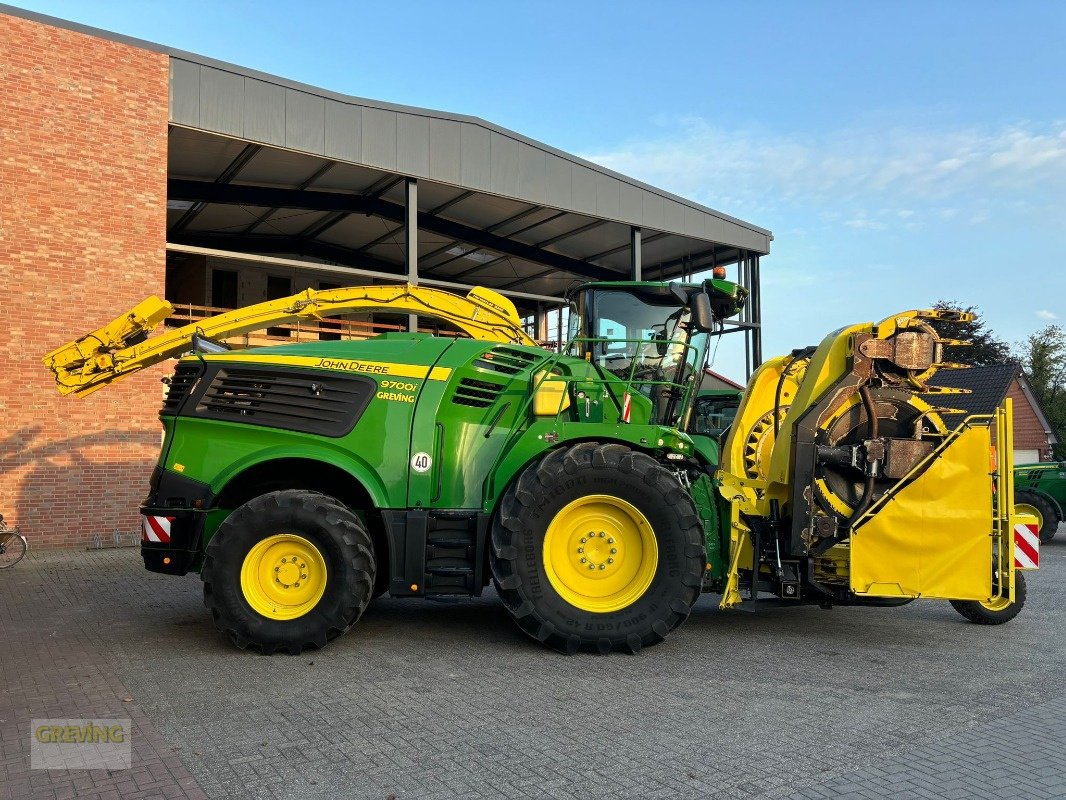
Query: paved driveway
x: 441, y: 700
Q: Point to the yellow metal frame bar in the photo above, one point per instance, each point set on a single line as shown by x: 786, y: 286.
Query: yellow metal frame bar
x: 121, y: 347
x: 1003, y: 535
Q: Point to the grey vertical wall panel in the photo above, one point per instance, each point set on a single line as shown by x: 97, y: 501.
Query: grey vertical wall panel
x: 560, y: 182
x: 305, y: 122
x: 654, y: 213
x: 673, y: 216
x: 607, y: 196
x: 412, y: 145
x: 532, y: 174
x: 693, y: 225
x: 379, y: 138
x: 583, y: 183
x: 264, y: 112
x: 503, y: 155
x: 445, y: 153
x: 344, y: 131
x: 474, y: 166
x: 222, y: 101
x: 184, y: 92
x: 629, y: 203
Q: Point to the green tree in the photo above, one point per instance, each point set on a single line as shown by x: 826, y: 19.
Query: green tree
x: 1043, y: 359
x: 984, y: 348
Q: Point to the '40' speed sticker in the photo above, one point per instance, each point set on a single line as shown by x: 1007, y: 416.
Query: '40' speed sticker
x: 421, y: 462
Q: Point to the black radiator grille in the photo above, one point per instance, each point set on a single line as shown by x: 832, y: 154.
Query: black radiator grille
x: 298, y: 401
x: 183, y: 379
x: 479, y: 394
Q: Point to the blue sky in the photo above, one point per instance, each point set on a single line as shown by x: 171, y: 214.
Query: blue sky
x: 900, y: 152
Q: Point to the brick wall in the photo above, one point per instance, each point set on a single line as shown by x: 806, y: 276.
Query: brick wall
x: 1028, y: 432
x: 83, y: 156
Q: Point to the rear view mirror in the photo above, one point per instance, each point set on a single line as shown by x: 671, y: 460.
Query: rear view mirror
x: 702, y: 315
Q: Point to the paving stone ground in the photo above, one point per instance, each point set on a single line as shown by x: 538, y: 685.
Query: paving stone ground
x: 448, y: 700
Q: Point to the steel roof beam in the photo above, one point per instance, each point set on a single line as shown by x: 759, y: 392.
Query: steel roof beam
x: 490, y: 229
x: 269, y: 197
x: 228, y: 174
x: 399, y: 229
x: 305, y: 184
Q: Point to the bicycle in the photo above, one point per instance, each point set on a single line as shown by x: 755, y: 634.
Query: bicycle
x: 13, y: 545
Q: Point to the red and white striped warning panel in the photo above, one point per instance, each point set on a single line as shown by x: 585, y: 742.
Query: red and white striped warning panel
x: 156, y: 529
x: 627, y: 407
x: 1026, y: 546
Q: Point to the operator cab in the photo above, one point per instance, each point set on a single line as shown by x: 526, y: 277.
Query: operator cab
x: 652, y: 336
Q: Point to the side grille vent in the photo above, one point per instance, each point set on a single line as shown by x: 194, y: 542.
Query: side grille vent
x: 305, y: 402
x: 506, y: 360
x: 180, y: 383
x: 479, y: 394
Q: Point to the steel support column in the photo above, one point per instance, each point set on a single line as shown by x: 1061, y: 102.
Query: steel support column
x: 540, y: 318
x: 756, y: 312
x: 635, y: 259
x: 410, y: 240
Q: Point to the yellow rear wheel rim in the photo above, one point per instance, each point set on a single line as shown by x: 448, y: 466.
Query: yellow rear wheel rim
x: 283, y: 576
x: 997, y: 604
x: 1025, y: 508
x: 600, y: 553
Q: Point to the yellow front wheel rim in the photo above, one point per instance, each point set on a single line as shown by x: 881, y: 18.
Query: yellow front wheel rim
x: 600, y: 553
x: 283, y: 576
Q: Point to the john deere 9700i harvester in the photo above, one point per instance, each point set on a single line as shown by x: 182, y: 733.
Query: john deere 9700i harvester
x: 303, y: 480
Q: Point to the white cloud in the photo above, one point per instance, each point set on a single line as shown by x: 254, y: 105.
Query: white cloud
x: 896, y: 168
x: 1048, y: 315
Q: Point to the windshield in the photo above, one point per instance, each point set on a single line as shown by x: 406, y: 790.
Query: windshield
x: 645, y: 343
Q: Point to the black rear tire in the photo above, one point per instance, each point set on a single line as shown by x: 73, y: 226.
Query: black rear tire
x: 529, y: 507
x: 1049, y: 520
x: 978, y: 613
x: 337, y: 534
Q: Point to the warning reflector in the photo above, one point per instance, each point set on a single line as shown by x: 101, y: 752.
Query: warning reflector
x: 1026, y: 546
x: 156, y: 529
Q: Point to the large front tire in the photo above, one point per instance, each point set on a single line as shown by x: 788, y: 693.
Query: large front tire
x: 597, y: 547
x: 287, y: 571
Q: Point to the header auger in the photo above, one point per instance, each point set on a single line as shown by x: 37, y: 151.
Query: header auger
x: 303, y: 480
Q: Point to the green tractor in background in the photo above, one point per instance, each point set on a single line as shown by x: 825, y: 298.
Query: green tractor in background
x: 1040, y: 490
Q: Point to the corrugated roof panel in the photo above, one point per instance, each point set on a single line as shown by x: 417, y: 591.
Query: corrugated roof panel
x: 654, y: 211
x: 305, y: 122
x: 560, y: 182
x: 583, y: 183
x: 532, y: 174
x: 264, y: 114
x: 445, y: 154
x: 344, y: 131
x: 607, y: 196
x: 412, y: 145
x: 221, y: 101
x: 503, y: 155
x: 379, y: 138
x: 475, y: 168
x: 184, y: 92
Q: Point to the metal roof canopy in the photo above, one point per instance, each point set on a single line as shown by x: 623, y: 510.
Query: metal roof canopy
x: 262, y: 165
